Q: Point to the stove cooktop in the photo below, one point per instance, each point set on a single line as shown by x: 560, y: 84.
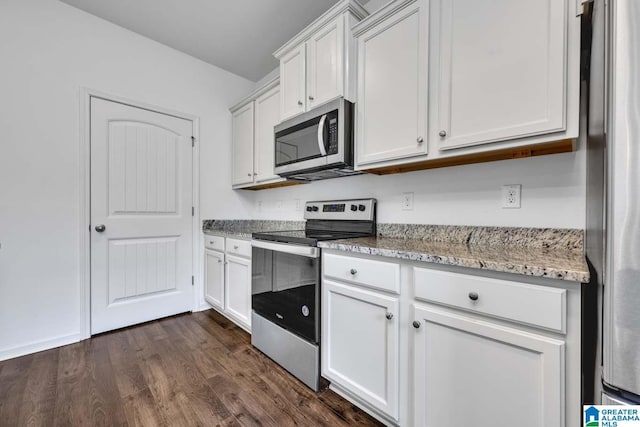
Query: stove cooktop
x: 305, y: 237
x: 329, y: 220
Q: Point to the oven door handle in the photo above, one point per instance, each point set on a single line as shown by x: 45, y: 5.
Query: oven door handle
x: 305, y: 251
x: 321, y: 144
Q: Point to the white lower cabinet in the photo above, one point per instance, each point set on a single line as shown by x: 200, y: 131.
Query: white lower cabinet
x: 474, y: 372
x: 238, y: 289
x: 227, y: 278
x: 360, y: 344
x: 214, y: 278
x: 447, y: 346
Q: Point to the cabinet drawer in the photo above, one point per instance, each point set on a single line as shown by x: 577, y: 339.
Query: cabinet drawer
x: 529, y: 304
x: 239, y: 247
x: 371, y: 273
x: 214, y: 242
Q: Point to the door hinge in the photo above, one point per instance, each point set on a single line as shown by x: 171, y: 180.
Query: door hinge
x: 193, y: 281
x: 193, y: 211
x: 193, y: 141
x: 580, y: 6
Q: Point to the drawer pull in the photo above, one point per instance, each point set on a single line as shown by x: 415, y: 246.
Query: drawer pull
x: 353, y: 271
x: 416, y: 324
x: 473, y: 296
x: 389, y: 316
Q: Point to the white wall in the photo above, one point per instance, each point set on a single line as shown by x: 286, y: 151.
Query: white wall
x: 553, y: 194
x: 49, y: 51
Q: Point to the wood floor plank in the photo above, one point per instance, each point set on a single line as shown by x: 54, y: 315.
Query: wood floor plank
x: 141, y: 409
x: 188, y: 370
x: 13, y: 382
x: 38, y: 401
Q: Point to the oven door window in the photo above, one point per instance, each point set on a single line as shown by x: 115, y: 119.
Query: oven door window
x: 285, y: 290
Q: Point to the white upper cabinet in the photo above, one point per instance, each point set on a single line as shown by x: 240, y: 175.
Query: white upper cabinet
x: 318, y: 64
x: 392, y: 86
x: 502, y: 69
x: 292, y: 76
x: 253, y: 142
x: 324, y: 60
x: 243, y: 145
x: 267, y: 115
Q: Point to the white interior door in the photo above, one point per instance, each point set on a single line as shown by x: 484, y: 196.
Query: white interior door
x: 141, y: 199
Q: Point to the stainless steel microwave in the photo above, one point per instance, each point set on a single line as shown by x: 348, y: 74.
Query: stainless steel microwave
x: 317, y: 144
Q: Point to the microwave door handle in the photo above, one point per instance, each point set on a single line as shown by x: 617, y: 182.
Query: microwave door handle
x: 321, y: 144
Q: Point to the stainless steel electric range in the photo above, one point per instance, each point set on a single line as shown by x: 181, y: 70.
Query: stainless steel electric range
x: 285, y: 322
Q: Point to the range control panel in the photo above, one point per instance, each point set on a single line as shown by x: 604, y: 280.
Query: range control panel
x: 356, y: 209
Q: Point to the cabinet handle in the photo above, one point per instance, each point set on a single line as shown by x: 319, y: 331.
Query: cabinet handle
x: 420, y: 140
x: 311, y: 98
x: 353, y: 271
x: 416, y: 324
x: 300, y: 103
x: 389, y: 316
x: 473, y: 296
x: 442, y: 133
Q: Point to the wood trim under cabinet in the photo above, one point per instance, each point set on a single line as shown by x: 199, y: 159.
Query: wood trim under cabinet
x: 272, y: 185
x: 555, y: 147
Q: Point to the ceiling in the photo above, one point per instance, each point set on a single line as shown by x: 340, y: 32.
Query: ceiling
x: 239, y: 36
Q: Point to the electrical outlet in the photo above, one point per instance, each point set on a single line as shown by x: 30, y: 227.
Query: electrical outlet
x: 511, y: 196
x: 407, y: 201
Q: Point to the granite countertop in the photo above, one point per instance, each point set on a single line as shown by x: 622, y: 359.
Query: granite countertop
x: 551, y: 253
x: 244, y: 228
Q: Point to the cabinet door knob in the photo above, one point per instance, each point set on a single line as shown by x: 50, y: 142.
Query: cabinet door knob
x: 353, y: 271
x: 420, y: 140
x: 473, y: 296
x: 255, y: 173
x: 219, y: 261
x: 389, y: 316
x: 442, y: 133
x: 311, y: 98
x: 300, y: 103
x: 235, y: 247
x: 416, y: 324
x: 249, y: 174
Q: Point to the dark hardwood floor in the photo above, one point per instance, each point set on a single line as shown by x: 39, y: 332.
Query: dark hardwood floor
x: 194, y: 370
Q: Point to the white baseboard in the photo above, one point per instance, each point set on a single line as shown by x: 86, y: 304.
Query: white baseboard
x: 37, y: 346
x: 203, y: 306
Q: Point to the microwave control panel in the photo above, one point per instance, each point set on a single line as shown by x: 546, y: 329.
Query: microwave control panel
x: 333, y: 134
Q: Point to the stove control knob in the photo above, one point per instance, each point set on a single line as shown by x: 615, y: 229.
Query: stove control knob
x: 309, y: 208
x: 361, y: 208
x: 315, y: 208
x: 354, y: 208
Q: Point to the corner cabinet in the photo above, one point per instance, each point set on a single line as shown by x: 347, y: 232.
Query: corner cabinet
x: 440, y: 79
x: 253, y: 138
x: 317, y: 64
x: 227, y: 278
x: 417, y: 344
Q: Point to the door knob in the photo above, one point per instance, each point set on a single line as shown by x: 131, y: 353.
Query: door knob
x: 100, y: 228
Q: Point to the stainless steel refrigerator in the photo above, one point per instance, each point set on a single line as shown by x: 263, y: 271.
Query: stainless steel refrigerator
x: 613, y: 210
